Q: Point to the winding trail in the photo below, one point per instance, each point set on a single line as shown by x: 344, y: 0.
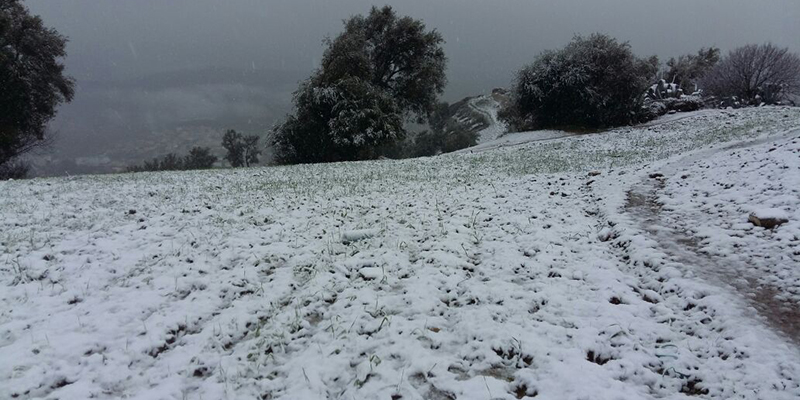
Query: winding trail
x: 782, y: 316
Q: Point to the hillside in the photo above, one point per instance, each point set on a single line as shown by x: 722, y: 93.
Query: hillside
x: 478, y: 114
x: 611, y: 266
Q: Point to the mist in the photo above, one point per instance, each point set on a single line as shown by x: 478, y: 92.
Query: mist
x: 155, y: 76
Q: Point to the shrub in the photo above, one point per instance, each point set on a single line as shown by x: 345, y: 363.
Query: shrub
x: 755, y: 74
x: 198, y: 158
x: 594, y: 82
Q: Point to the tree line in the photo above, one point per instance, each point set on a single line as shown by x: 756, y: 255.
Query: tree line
x: 385, y: 71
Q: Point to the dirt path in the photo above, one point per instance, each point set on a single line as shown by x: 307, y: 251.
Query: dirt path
x: 783, y: 316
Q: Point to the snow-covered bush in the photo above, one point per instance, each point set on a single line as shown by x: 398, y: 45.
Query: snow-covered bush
x: 664, y: 90
x: 593, y: 82
x: 655, y: 108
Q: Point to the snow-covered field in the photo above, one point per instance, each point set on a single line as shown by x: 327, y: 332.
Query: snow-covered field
x: 531, y: 270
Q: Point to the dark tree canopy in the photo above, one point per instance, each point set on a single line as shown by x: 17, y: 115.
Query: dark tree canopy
x: 756, y: 73
x: 381, y: 69
x: 242, y: 151
x: 395, y: 54
x: 31, y: 77
x: 593, y: 82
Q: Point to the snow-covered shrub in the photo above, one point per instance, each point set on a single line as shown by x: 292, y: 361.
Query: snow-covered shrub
x: 655, y: 108
x: 664, y: 90
x: 593, y: 82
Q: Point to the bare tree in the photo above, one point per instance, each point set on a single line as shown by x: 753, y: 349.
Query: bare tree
x: 755, y: 74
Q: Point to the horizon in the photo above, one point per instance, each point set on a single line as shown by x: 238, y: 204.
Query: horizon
x: 147, y: 68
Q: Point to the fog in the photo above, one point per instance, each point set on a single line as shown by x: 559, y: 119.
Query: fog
x: 153, y: 74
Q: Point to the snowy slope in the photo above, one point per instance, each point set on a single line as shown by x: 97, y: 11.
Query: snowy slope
x: 711, y: 199
x: 488, y: 106
x: 508, y: 273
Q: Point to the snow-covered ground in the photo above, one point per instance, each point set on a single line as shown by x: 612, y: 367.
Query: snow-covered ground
x: 520, y: 271
x: 489, y: 107
x: 711, y: 199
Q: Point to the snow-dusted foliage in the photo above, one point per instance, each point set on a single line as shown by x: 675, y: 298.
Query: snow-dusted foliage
x: 379, y: 70
x: 349, y: 119
x: 593, y: 82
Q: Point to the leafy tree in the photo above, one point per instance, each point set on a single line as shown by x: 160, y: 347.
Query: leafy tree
x: 242, y: 151
x: 686, y: 71
x: 355, y: 119
x: 754, y: 74
x: 395, y: 54
x: 199, y: 158
x: 380, y: 70
x: 593, y: 82
x: 31, y: 77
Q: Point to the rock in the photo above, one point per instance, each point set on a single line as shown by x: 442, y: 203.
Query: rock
x: 769, y: 218
x: 370, y: 273
x: 594, y: 173
x: 656, y: 175
x: 131, y: 212
x: 355, y: 236
x: 606, y: 234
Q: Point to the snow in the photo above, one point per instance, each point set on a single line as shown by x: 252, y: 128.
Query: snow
x: 489, y: 107
x: 505, y: 273
x: 356, y: 235
x: 516, y: 139
x: 771, y: 213
x: 711, y: 198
